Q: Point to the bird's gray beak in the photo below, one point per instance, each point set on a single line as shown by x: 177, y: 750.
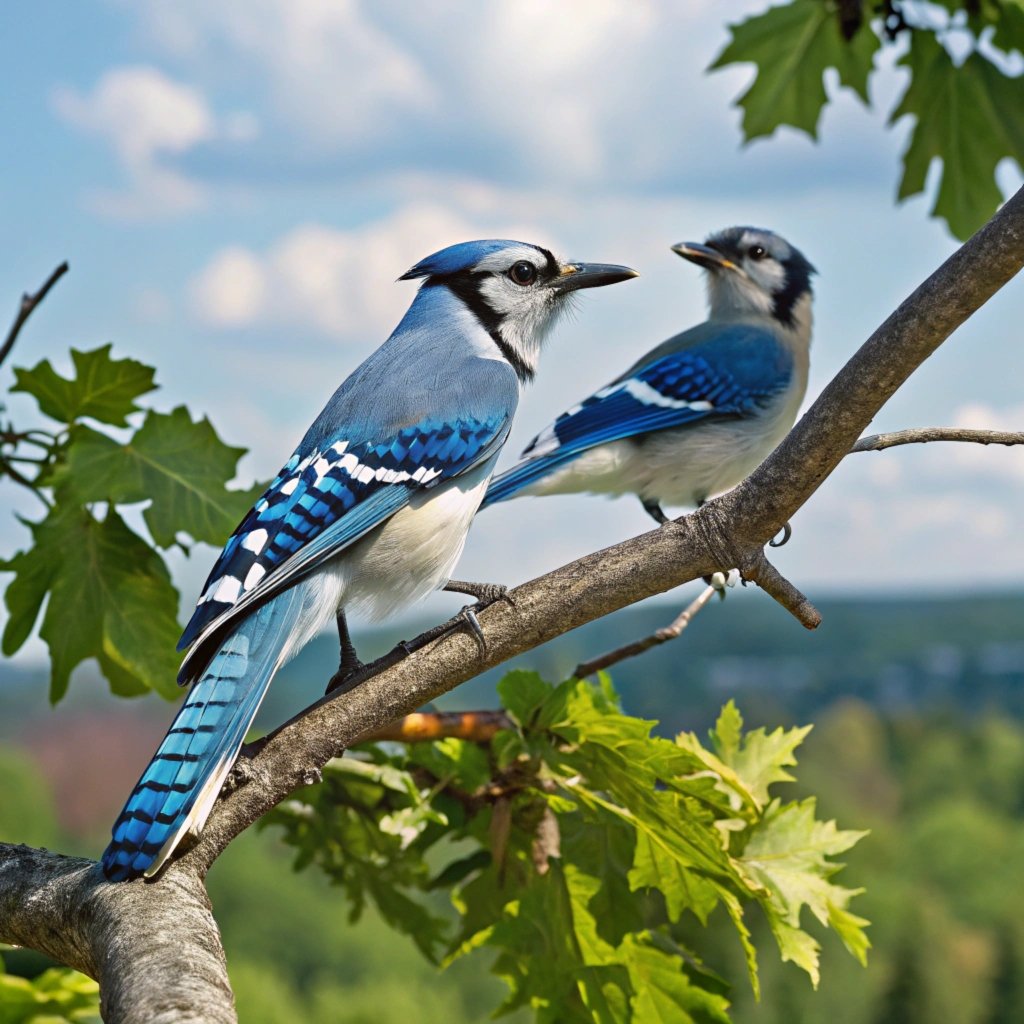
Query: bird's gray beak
x: 574, y: 276
x: 704, y: 256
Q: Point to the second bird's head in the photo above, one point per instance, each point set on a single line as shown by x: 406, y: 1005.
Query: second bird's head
x: 752, y: 271
x: 515, y: 290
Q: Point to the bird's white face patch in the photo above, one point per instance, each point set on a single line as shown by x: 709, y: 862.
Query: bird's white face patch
x: 526, y: 312
x: 751, y: 287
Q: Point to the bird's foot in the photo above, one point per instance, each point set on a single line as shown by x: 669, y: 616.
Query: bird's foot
x: 465, y: 619
x: 344, y: 681
x: 350, y: 665
x: 777, y: 542
x: 345, y: 672
x: 654, y: 510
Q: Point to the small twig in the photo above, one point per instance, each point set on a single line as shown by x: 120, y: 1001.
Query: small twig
x: 475, y: 726
x: 922, y: 435
x: 29, y: 303
x: 6, y: 469
x: 659, y: 636
x: 757, y: 569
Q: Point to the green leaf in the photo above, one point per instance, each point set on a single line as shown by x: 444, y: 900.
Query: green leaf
x: 180, y: 466
x: 970, y: 118
x: 787, y: 852
x: 522, y: 693
x: 761, y: 759
x: 457, y: 762
x: 793, y: 45
x: 110, y: 598
x: 728, y: 732
x: 104, y: 389
x: 57, y: 996
x: 664, y: 992
x: 1009, y: 33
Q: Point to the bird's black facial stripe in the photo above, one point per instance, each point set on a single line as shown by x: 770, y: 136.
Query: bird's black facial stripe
x: 467, y: 288
x: 797, y: 283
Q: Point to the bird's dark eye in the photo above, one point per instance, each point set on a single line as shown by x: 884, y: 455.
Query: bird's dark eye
x: 757, y: 252
x: 523, y: 272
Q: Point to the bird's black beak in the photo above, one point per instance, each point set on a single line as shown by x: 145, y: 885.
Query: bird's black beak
x: 704, y: 256
x: 574, y: 276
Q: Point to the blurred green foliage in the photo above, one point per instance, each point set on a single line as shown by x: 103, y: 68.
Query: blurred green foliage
x: 55, y: 996
x: 942, y: 795
x: 573, y: 844
x: 964, y: 94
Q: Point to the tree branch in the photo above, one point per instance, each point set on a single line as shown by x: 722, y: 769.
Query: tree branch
x: 81, y: 921
x: 134, y: 940
x: 924, y: 435
x: 29, y: 303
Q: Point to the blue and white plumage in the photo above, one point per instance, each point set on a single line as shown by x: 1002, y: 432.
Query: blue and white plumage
x: 698, y: 413
x: 370, y: 512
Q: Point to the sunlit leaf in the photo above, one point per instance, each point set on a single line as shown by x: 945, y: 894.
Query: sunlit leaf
x: 103, y: 389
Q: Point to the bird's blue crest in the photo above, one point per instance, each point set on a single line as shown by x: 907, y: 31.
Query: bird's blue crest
x: 459, y: 257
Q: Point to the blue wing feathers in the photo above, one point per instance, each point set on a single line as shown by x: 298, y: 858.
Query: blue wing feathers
x: 320, y: 504
x: 712, y: 371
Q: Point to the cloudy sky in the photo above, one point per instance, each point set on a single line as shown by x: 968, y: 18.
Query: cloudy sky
x: 238, y: 184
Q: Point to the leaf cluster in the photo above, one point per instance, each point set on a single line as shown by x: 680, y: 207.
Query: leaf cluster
x: 57, y: 996
x: 571, y: 846
x: 104, y: 583
x: 967, y: 105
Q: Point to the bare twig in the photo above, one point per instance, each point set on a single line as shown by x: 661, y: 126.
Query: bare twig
x: 475, y: 726
x: 659, y: 636
x: 756, y: 568
x: 6, y: 469
x: 923, y: 435
x: 29, y: 303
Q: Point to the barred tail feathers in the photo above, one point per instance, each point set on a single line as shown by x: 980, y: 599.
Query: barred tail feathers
x: 177, y: 790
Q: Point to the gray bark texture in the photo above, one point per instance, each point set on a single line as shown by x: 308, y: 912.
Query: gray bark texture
x: 154, y: 947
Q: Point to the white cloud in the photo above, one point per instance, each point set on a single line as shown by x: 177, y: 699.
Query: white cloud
x: 337, y: 283
x: 330, y: 73
x: 147, y: 119
x: 144, y: 116
x: 582, y: 93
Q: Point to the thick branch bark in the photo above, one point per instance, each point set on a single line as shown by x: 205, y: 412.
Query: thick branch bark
x: 155, y: 950
x: 728, y: 532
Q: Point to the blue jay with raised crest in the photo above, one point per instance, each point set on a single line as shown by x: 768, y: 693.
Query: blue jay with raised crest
x: 370, y: 513
x: 698, y: 413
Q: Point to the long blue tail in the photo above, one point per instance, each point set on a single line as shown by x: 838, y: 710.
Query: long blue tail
x: 178, y: 788
x: 521, y: 475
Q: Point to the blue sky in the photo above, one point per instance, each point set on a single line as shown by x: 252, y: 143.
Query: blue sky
x: 237, y: 186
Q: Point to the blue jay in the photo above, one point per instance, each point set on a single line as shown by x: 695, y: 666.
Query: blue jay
x: 698, y: 413
x: 370, y: 513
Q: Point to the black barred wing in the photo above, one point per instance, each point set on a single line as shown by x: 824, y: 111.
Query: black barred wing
x: 324, y: 500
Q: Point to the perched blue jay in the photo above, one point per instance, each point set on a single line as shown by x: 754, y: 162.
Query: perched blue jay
x: 370, y: 512
x: 698, y: 413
